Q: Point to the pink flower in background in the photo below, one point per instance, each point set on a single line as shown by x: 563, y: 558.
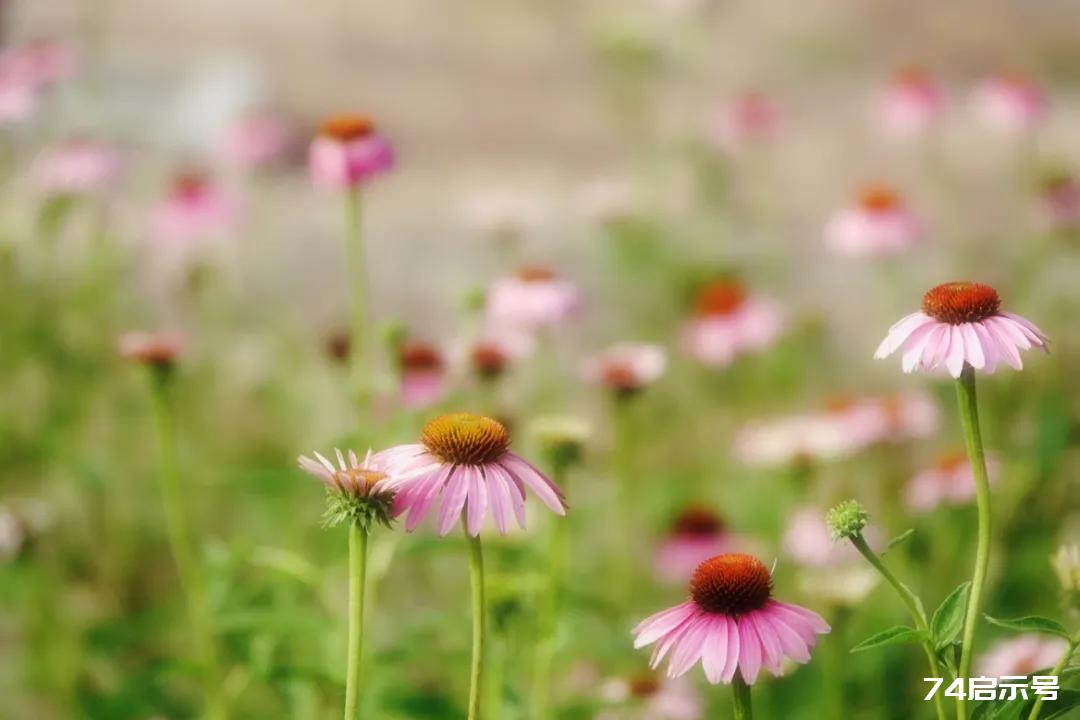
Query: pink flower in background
x: 1009, y: 103
x: 19, y: 99
x: 39, y: 63
x: 255, y: 141
x: 1059, y: 201
x: 422, y: 374
x: 696, y: 535
x: 879, y: 223
x: 807, y: 540
x: 466, y: 459
x: 347, y: 152
x: 648, y: 697
x: 626, y: 368
x: 78, y: 167
x: 961, y: 323
x: 150, y: 348
x: 1021, y: 655
x: 751, y: 118
x: 533, y: 298
x: 911, y: 104
x: 949, y: 481
x: 911, y: 415
x: 194, y: 210
x: 729, y: 323
x: 731, y: 623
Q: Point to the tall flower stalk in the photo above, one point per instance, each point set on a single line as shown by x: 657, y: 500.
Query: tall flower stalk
x: 358, y: 316
x: 479, y: 620
x: 744, y: 709
x: 1070, y: 649
x: 358, y: 551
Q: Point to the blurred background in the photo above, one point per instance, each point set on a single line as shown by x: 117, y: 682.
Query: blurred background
x: 832, y: 159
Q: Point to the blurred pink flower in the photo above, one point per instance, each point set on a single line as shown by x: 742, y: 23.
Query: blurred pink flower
x: 150, y: 348
x: 731, y: 623
x: 911, y: 415
x: 948, y: 481
x: 648, y: 697
x: 1009, y: 103
x: 193, y: 211
x: 696, y: 535
x: 961, y: 323
x: 78, y: 167
x: 347, y: 152
x: 910, y: 104
x: 466, y: 459
x: 39, y: 63
x: 533, y: 298
x: 422, y: 374
x: 729, y: 323
x: 1021, y: 655
x: 879, y: 223
x: 747, y: 119
x: 254, y: 141
x: 19, y: 99
x: 1059, y: 202
x: 807, y: 540
x: 626, y: 368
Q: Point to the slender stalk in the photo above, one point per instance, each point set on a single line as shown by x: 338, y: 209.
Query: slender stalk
x: 969, y: 418
x: 623, y: 474
x: 358, y: 321
x: 181, y: 542
x: 358, y: 550
x: 915, y: 609
x: 1056, y: 672
x: 548, y: 611
x: 743, y: 708
x: 479, y: 610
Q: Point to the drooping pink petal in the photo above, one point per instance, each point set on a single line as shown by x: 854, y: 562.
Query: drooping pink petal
x: 425, y: 496
x: 955, y: 358
x: 688, y: 650
x: 1029, y: 326
x: 1005, y: 344
x: 714, y: 654
x: 315, y: 468
x: 499, y: 495
x: 916, y: 345
x: 900, y: 332
x: 517, y: 492
x: 655, y: 626
x: 546, y: 490
x: 772, y: 656
x: 453, y: 500
x: 810, y: 619
x: 477, y: 503
x: 668, y: 641
x: 733, y: 650
x: 749, y: 651
x: 973, y: 351
x: 989, y: 346
x: 790, y: 642
x: 1008, y: 328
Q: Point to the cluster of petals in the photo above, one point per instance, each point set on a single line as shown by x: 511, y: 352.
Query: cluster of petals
x: 347, y: 152
x: 193, y: 211
x: 716, y: 339
x: 530, y: 300
x: 949, y: 481
x: 911, y: 103
x: 879, y: 223
x: 255, y: 140
x: 77, y: 167
x: 343, y: 477
x: 626, y: 367
x: 1009, y: 103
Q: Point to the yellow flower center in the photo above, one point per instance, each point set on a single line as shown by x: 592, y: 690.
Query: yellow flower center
x: 465, y: 439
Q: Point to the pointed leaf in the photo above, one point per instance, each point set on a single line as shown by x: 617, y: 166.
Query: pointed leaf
x: 1032, y: 623
x: 898, y: 635
x: 899, y: 540
x: 948, y: 619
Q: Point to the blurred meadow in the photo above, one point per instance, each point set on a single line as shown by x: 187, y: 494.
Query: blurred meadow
x: 578, y: 189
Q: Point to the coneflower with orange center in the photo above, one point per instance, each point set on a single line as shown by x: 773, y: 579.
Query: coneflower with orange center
x: 910, y: 104
x: 877, y: 224
x: 422, y: 374
x: 729, y: 322
x: 348, y: 151
x: 533, y: 298
x: 1010, y: 103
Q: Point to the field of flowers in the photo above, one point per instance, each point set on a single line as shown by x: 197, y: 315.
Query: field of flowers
x: 766, y: 409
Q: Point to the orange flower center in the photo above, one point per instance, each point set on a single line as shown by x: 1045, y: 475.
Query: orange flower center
x: 839, y: 403
x: 644, y: 686
x: 720, y: 298
x: 620, y: 376
x: 465, y: 439
x: 420, y: 357
x: 697, y: 521
x: 347, y: 127
x: 913, y: 76
x: 190, y: 183
x: 951, y: 462
x: 358, y: 481
x: 731, y: 584
x: 961, y: 302
x: 488, y: 359
x: 879, y: 199
x: 535, y: 273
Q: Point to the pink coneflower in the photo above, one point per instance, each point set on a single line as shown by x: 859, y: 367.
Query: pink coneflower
x: 78, y: 167
x: 949, y: 480
x: 422, y: 374
x: 961, y: 323
x: 254, y: 141
x: 466, y: 459
x: 626, y: 368
x: 879, y: 223
x: 729, y: 323
x: 359, y: 492
x: 696, y: 535
x: 845, y: 427
x: 1010, y: 103
x: 910, y: 104
x: 731, y: 623
x: 910, y: 415
x: 150, y: 348
x: 531, y: 299
x: 1059, y: 201
x: 39, y: 63
x: 19, y: 99
x: 748, y: 119
x: 1021, y: 655
x: 194, y: 210
x: 347, y: 152
x: 648, y: 697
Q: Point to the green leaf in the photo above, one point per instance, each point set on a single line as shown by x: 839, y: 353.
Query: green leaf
x: 948, y: 619
x: 899, y: 540
x: 1032, y: 623
x: 898, y: 635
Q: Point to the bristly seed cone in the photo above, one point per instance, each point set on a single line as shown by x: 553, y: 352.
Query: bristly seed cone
x: 720, y: 298
x: 697, y: 521
x: 961, y: 302
x: 465, y: 439
x: 731, y: 584
x: 347, y: 127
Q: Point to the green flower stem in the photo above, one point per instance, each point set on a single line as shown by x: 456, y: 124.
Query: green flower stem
x: 1056, y: 672
x: 548, y: 612
x: 479, y: 610
x: 358, y: 551
x: 623, y: 473
x: 969, y: 418
x: 181, y: 542
x: 914, y: 607
x: 359, y: 330
x: 743, y: 708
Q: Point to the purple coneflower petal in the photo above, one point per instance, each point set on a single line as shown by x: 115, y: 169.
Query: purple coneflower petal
x: 546, y: 490
x: 733, y: 650
x: 427, y: 489
x: 314, y: 468
x: 714, y: 656
x: 655, y: 626
x: 749, y: 650
x: 477, y: 504
x: 772, y: 655
x: 1005, y: 344
x: 326, y: 463
x: 454, y: 495
x: 989, y: 347
x: 915, y: 345
x: 671, y: 638
x: 1028, y: 326
x: 973, y: 350
x: 957, y: 354
x: 900, y: 332
x: 790, y: 642
x: 499, y: 495
x: 690, y: 646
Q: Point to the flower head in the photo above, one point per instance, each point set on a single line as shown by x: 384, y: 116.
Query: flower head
x: 534, y: 297
x: 728, y: 323
x: 255, y: 140
x: 626, y: 368
x: 194, y: 210
x: 696, y: 534
x: 422, y: 370
x: 347, y: 151
x: 357, y: 492
x: 961, y: 323
x: 846, y: 520
x: 78, y: 167
x: 731, y: 622
x: 149, y: 348
x: 1010, y: 103
x: 949, y: 480
x: 466, y: 459
x: 878, y: 223
x: 910, y: 104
